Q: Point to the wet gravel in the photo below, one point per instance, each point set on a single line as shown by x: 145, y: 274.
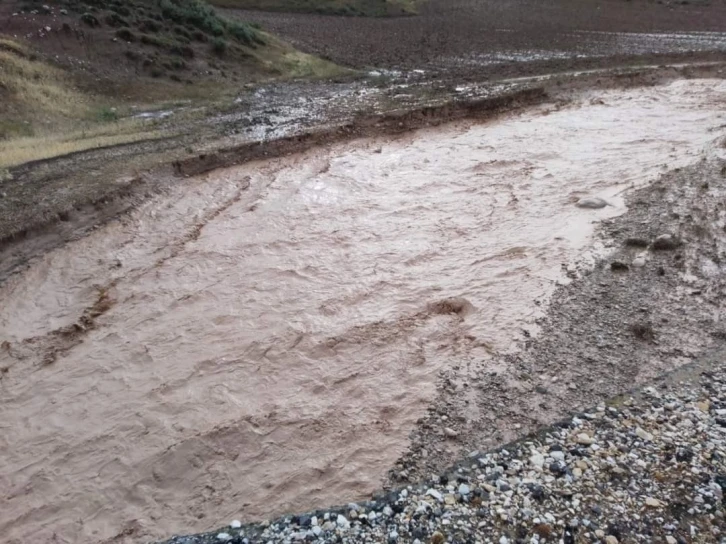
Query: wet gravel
x: 650, y: 467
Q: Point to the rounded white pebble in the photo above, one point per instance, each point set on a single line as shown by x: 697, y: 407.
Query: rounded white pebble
x: 236, y: 524
x: 342, y: 522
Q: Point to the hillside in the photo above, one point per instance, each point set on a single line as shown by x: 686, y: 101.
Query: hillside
x: 76, y: 73
x: 366, y: 8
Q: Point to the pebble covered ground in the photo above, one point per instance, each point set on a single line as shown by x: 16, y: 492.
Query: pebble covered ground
x: 650, y: 467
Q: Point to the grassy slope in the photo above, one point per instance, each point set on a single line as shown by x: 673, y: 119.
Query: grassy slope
x: 50, y: 108
x: 43, y: 113
x: 370, y: 8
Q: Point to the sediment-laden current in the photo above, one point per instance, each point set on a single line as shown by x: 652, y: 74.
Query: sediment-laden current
x: 262, y: 339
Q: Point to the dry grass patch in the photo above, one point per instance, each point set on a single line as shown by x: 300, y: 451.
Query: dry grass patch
x: 43, y: 114
x: 33, y: 86
x: 21, y: 150
x: 289, y: 63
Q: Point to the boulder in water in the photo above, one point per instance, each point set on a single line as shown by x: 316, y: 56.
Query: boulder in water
x: 591, y: 203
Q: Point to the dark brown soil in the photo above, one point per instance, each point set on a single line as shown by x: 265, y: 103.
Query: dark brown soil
x: 486, y: 38
x: 130, y: 49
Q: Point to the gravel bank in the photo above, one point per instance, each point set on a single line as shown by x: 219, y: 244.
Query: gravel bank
x: 650, y: 467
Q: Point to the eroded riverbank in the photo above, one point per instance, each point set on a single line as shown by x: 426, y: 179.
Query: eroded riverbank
x: 264, y: 338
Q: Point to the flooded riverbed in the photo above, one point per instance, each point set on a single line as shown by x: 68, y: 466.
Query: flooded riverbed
x: 263, y: 339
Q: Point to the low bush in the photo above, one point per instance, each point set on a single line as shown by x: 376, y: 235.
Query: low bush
x: 149, y: 25
x: 126, y: 35
x: 183, y: 32
x: 90, y: 20
x: 115, y: 20
x: 121, y: 10
x: 244, y: 33
x: 182, y: 50
x: 219, y: 46
x: 107, y: 114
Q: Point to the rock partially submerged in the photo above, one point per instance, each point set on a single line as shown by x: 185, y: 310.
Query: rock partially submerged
x: 591, y: 203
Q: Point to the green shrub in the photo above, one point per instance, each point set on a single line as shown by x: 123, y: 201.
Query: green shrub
x: 149, y: 25
x: 121, y: 10
x: 107, y: 114
x: 126, y: 35
x: 244, y: 33
x: 147, y: 39
x: 90, y: 20
x: 177, y: 64
x: 195, y: 12
x: 183, y: 32
x: 115, y: 20
x: 182, y: 50
x: 219, y: 46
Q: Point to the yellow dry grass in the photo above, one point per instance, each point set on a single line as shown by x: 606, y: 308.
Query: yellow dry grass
x: 289, y: 63
x: 37, y: 86
x: 21, y: 150
x: 45, y: 115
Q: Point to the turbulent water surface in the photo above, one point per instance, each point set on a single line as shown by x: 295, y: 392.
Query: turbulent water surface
x: 262, y: 339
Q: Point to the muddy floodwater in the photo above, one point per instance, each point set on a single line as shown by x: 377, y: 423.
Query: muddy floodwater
x: 262, y: 339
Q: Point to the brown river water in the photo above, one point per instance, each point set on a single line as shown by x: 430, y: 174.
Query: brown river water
x: 262, y: 339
